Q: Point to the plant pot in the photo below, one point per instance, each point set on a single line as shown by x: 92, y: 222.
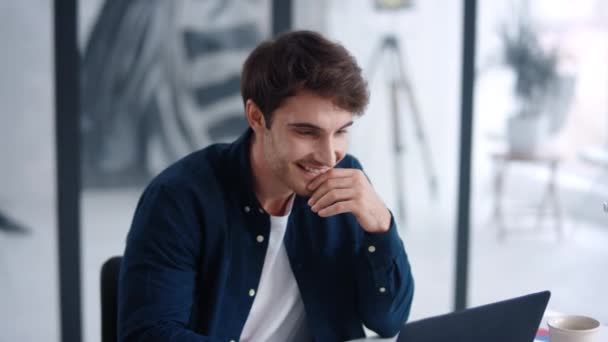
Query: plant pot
x: 523, y: 133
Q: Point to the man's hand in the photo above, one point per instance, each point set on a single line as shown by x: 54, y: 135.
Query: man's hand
x: 339, y: 191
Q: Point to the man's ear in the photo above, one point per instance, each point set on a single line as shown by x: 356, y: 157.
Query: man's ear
x: 254, y: 116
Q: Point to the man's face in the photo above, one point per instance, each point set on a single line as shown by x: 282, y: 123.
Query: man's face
x: 307, y: 137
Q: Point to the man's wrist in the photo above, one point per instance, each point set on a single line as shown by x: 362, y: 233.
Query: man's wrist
x: 384, y: 224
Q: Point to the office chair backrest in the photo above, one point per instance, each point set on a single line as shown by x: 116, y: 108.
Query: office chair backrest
x: 109, y: 299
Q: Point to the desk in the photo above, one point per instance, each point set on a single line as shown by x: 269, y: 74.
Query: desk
x: 550, y: 197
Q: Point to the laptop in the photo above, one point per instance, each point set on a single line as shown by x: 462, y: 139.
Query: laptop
x: 512, y: 320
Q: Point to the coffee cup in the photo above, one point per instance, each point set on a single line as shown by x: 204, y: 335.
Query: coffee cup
x: 573, y: 329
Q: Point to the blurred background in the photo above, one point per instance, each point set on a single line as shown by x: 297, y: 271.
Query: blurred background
x: 159, y: 79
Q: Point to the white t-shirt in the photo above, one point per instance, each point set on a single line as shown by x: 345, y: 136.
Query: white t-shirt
x: 277, y: 313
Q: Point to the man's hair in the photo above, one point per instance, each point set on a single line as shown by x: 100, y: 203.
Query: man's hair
x: 302, y: 60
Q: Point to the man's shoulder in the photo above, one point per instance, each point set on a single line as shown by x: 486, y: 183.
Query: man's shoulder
x: 197, y: 168
x: 350, y: 162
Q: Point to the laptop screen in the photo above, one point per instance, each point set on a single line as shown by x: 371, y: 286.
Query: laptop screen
x: 513, y: 320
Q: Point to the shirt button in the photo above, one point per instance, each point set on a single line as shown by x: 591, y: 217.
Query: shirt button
x: 247, y: 209
x: 371, y: 249
x: 232, y: 341
x: 382, y: 290
x: 261, y: 210
x: 251, y: 293
x: 260, y: 238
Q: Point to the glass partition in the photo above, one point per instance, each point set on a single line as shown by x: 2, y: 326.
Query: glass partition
x: 540, y: 152
x: 29, y: 294
x: 407, y: 141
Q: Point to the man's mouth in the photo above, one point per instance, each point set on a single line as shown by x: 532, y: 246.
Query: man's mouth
x: 312, y: 170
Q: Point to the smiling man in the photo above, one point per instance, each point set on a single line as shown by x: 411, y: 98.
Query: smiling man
x: 278, y: 236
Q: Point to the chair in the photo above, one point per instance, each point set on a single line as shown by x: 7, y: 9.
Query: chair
x: 109, y: 298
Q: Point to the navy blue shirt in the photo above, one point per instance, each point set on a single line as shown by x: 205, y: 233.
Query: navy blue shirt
x: 192, y: 258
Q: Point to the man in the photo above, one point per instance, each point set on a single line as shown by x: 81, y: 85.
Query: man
x: 278, y: 236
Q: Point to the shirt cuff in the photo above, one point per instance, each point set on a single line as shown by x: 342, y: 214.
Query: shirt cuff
x: 382, y: 248
x: 381, y: 253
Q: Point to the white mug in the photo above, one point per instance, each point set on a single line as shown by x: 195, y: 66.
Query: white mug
x: 573, y: 329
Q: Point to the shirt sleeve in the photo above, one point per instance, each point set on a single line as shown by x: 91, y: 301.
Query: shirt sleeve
x: 385, y: 286
x: 385, y: 282
x: 158, y: 272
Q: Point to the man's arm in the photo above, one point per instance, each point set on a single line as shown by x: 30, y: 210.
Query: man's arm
x: 384, y: 279
x: 385, y: 286
x: 158, y: 273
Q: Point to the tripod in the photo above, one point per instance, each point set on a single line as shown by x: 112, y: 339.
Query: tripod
x: 399, y: 81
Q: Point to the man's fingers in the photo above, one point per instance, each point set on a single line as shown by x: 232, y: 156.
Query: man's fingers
x: 333, y: 196
x: 333, y: 173
x: 327, y: 186
x: 338, y: 208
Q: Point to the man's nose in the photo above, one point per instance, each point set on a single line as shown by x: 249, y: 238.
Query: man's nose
x: 327, y: 153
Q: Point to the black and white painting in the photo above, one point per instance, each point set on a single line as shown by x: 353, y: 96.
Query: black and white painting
x: 161, y: 79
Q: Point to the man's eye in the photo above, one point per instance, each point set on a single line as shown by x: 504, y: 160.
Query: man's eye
x: 342, y: 132
x: 306, y: 133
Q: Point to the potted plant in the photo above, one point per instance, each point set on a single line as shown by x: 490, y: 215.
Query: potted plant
x: 536, y: 82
